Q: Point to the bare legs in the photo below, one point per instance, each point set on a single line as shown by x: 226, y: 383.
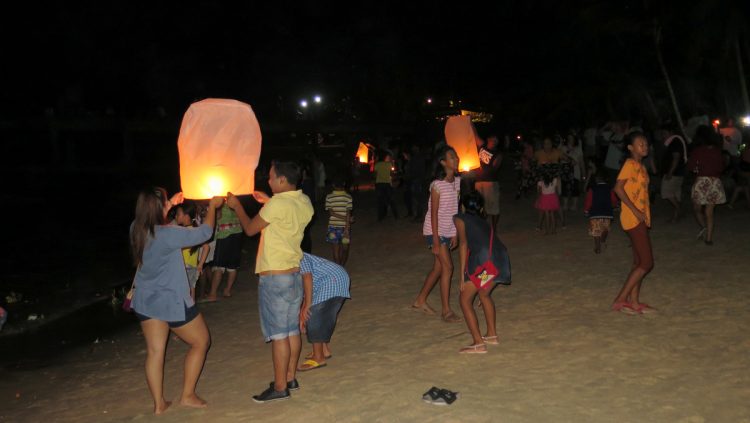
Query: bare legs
x: 597, y: 244
x: 442, y: 269
x: 216, y: 277
x: 549, y: 222
x: 340, y: 253
x: 705, y: 218
x: 675, y: 209
x: 285, y: 354
x: 194, y: 334
x: 561, y: 215
x: 468, y: 292
x: 156, y: 333
x: 643, y: 262
x: 630, y: 291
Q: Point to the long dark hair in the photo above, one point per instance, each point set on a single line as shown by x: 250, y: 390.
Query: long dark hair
x: 473, y: 203
x: 439, y: 172
x: 191, y: 210
x: 149, y: 212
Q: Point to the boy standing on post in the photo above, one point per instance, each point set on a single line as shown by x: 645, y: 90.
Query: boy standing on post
x: 281, y: 223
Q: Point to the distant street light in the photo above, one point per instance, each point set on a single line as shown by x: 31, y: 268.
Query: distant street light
x: 429, y: 101
x: 318, y: 99
x: 746, y: 120
x: 303, y: 103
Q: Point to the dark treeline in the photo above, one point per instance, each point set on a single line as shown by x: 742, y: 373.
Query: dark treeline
x: 529, y: 62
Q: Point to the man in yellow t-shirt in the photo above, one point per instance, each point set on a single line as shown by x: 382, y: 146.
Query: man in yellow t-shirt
x: 383, y: 187
x: 281, y: 223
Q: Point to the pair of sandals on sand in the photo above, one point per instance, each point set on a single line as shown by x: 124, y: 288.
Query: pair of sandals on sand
x: 439, y: 396
x: 425, y: 308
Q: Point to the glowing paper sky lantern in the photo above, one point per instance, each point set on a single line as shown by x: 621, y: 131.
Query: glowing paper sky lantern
x: 461, y: 135
x: 362, y: 152
x: 219, y: 146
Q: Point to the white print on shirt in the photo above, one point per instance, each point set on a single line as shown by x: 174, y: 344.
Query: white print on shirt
x: 485, y: 156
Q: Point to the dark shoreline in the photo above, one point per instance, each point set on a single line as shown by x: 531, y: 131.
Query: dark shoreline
x: 39, y: 343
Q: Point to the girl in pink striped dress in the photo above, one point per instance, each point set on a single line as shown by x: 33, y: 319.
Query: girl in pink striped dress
x: 440, y: 232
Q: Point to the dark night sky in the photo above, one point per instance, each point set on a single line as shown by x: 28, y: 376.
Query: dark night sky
x: 513, y: 56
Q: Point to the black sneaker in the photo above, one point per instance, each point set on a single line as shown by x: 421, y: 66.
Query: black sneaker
x: 271, y: 394
x: 292, y: 386
x: 431, y: 395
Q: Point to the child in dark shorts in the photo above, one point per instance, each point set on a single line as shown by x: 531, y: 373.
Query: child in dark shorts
x: 228, y: 254
x: 326, y: 286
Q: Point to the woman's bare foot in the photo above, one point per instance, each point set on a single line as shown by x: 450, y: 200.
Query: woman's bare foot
x: 160, y: 408
x: 227, y: 294
x: 193, y: 401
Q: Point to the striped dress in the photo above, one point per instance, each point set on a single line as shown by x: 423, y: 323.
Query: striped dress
x: 450, y: 193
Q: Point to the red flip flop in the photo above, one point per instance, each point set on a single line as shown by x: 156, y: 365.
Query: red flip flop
x: 624, y: 307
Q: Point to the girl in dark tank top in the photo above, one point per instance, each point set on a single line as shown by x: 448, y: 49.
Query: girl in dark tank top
x: 474, y: 249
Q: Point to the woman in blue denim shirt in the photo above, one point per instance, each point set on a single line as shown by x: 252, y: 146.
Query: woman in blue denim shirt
x: 162, y: 296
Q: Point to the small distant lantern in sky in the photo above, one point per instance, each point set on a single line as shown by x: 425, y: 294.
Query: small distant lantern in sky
x: 461, y: 135
x: 362, y: 153
x: 219, y: 147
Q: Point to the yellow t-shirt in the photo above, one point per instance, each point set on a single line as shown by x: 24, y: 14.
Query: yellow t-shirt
x: 383, y: 172
x: 636, y: 187
x: 287, y: 214
x: 190, y: 259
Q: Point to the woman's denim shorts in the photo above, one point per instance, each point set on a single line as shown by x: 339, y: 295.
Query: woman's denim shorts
x: 443, y: 240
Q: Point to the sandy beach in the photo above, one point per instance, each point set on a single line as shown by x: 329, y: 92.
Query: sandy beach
x: 563, y: 355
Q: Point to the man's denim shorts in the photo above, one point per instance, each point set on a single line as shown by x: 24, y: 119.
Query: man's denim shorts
x: 279, y: 301
x: 322, y: 320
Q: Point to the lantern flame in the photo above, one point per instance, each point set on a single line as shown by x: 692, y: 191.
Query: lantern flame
x: 215, y: 186
x: 461, y: 135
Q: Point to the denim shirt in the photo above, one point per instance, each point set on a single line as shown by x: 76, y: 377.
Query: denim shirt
x: 161, y: 286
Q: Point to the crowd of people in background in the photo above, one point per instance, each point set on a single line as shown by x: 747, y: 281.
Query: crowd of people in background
x: 184, y: 249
